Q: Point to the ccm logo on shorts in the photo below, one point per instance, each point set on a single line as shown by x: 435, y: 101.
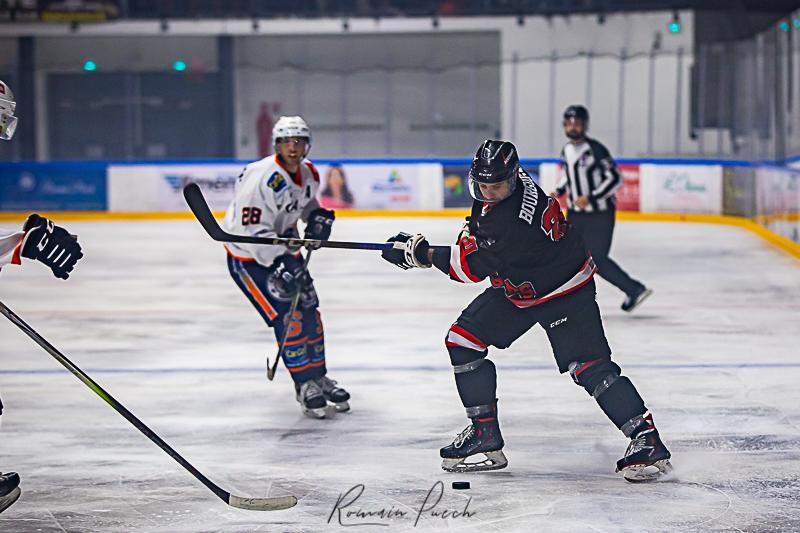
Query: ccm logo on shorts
x: 558, y: 322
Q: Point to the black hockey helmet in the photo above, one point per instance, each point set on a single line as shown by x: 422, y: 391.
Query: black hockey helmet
x: 495, y: 162
x: 577, y: 112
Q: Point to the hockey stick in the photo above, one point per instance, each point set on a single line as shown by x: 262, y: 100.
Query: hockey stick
x: 292, y: 308
x: 198, y: 205
x: 252, y: 504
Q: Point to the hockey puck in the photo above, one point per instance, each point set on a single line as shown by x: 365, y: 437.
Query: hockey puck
x: 460, y: 485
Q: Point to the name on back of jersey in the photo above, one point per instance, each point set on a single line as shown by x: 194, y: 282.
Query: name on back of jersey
x: 530, y: 199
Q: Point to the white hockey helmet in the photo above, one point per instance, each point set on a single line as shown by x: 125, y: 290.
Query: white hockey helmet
x: 8, y: 122
x: 291, y: 127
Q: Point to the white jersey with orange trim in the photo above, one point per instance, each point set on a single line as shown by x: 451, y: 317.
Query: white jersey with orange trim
x: 268, y: 203
x: 10, y: 245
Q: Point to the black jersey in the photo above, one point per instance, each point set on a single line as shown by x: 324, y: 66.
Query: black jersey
x: 523, y: 245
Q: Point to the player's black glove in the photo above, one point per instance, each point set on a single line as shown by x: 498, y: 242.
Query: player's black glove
x: 50, y: 244
x: 320, y: 222
x: 293, y: 274
x: 291, y: 233
x: 410, y: 251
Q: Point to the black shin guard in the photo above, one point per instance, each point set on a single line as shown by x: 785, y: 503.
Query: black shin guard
x: 615, y: 394
x: 478, y: 387
x: 621, y: 402
x: 476, y: 376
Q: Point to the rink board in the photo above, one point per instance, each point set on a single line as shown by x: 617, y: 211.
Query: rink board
x: 152, y: 315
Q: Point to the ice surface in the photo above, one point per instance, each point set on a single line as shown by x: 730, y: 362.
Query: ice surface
x: 153, y: 316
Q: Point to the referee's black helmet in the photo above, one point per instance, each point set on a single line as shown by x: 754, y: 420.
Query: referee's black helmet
x: 577, y: 112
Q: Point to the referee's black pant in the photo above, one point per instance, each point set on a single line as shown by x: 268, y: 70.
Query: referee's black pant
x: 597, y: 230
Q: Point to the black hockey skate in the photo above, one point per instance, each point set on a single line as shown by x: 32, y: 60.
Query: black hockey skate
x: 476, y: 439
x: 310, y: 397
x: 334, y: 394
x: 9, y: 489
x: 632, y: 301
x: 646, y: 459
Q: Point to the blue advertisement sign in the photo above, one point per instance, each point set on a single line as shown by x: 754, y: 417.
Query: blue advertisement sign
x: 456, y: 191
x: 53, y: 186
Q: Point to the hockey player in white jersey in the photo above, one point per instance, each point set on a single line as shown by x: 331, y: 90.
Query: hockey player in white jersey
x: 271, y: 196
x: 40, y: 240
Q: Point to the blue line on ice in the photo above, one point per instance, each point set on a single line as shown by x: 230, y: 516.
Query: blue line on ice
x: 337, y: 369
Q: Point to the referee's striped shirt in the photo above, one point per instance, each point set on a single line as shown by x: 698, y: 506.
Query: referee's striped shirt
x: 589, y: 170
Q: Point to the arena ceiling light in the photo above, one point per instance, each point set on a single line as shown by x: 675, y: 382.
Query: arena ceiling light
x: 675, y: 23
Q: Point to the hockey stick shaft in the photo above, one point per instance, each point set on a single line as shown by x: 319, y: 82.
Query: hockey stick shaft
x: 295, y: 300
x: 227, y: 497
x: 199, y: 206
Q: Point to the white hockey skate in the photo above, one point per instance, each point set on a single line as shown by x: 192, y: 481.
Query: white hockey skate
x: 311, y: 399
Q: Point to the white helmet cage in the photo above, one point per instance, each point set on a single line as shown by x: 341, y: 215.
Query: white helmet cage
x: 291, y: 127
x: 8, y: 122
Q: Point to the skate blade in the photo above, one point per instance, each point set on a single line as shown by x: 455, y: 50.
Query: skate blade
x: 317, y: 413
x: 493, y: 461
x: 341, y: 407
x: 647, y: 473
x: 9, y: 499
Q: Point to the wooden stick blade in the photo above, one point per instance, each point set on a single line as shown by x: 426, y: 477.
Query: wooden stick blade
x: 262, y: 504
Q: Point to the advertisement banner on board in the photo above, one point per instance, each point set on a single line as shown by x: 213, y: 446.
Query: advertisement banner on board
x: 357, y: 186
x: 59, y: 10
x: 628, y: 194
x: 739, y: 191
x: 52, y: 187
x: 456, y: 191
x: 160, y: 187
x: 778, y: 200
x: 409, y: 186
x: 681, y: 188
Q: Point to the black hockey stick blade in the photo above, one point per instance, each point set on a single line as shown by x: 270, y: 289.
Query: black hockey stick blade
x: 199, y: 206
x: 252, y: 504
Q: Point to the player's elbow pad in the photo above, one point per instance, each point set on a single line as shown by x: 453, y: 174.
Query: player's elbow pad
x: 464, y: 265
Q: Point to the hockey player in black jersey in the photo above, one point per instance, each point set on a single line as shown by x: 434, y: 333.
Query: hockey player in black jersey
x: 540, y: 272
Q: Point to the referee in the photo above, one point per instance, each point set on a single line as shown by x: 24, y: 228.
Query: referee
x: 592, y: 178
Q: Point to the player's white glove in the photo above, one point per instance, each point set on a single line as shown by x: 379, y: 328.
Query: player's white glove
x: 410, y: 251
